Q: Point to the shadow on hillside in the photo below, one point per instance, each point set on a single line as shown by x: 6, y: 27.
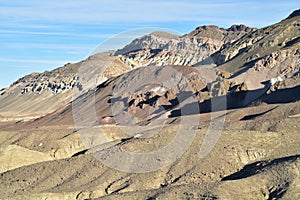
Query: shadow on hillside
x: 254, y: 168
x: 240, y: 100
x: 249, y: 117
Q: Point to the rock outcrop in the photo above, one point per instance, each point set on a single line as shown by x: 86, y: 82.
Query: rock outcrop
x: 161, y: 48
x: 258, y: 44
x: 226, y: 35
x: 165, y: 50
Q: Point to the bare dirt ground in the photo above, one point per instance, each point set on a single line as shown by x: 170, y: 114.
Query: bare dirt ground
x: 256, y: 157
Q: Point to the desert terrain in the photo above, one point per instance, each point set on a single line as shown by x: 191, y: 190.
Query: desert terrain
x: 212, y: 114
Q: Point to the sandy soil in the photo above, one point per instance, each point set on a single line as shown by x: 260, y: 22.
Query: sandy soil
x: 253, y: 159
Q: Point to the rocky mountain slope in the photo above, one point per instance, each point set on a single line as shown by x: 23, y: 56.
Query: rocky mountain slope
x: 161, y: 48
x: 117, y: 127
x: 40, y: 93
x: 226, y: 35
x: 244, y: 56
x: 259, y: 44
x: 51, y: 90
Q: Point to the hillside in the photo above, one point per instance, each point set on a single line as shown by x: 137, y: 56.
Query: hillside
x: 212, y: 114
x: 51, y: 90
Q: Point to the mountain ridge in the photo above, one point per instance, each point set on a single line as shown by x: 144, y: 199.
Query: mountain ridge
x: 227, y: 49
x: 161, y: 121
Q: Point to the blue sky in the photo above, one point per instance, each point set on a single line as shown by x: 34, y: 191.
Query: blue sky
x: 40, y: 35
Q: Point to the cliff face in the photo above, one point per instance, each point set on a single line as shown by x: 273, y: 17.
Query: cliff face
x: 177, y: 50
x: 162, y: 48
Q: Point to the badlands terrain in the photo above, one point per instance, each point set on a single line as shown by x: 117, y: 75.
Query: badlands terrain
x: 212, y: 114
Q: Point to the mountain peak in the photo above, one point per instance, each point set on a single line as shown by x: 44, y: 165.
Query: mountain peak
x: 240, y: 27
x: 163, y: 34
x: 221, y: 34
x: 296, y: 13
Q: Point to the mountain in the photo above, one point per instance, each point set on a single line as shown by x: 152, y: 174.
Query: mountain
x: 213, y: 114
x: 257, y: 45
x: 40, y: 93
x: 168, y: 49
x: 270, y: 53
x: 264, y: 79
x: 296, y: 13
x: 51, y: 90
x: 239, y: 50
x: 226, y: 35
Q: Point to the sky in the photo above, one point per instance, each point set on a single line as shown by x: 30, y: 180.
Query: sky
x: 40, y: 35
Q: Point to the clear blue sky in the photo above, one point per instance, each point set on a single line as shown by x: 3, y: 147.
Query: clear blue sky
x: 38, y: 35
